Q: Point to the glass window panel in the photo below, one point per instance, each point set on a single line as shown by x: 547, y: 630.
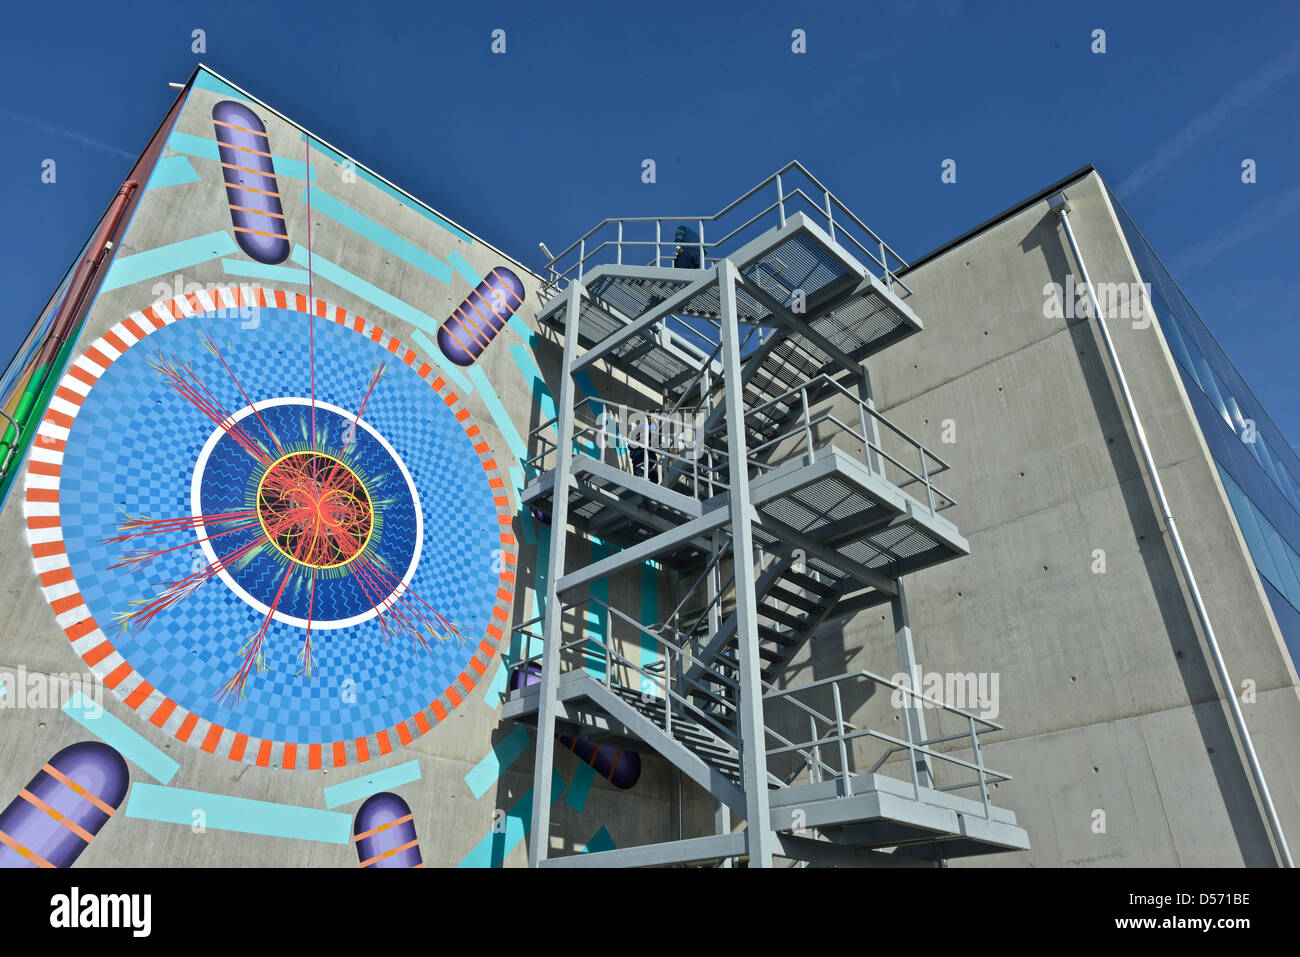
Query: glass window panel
x: 1245, y: 513
x: 1211, y: 386
x: 1268, y: 460
x: 1294, y: 558
x: 1175, y: 337
x: 1290, y: 489
x: 1286, y: 582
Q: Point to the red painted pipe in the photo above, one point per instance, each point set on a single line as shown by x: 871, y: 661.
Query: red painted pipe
x: 81, y: 279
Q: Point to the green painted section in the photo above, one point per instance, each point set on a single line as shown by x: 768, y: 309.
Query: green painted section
x: 36, y: 411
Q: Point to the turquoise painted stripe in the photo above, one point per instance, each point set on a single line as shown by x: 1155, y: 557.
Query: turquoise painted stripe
x: 597, y: 615
x: 449, y: 368
x: 164, y: 260
x: 649, y: 617
x: 496, y: 688
x: 344, y: 214
x: 505, y: 753
x: 488, y: 394
x: 346, y: 792
x: 206, y: 81
x: 528, y: 526
x: 580, y: 787
x: 256, y: 270
x: 379, y: 184
x: 517, y: 480
x: 172, y: 171
x: 588, y: 389
x: 128, y: 742
x: 602, y: 840
x: 387, y: 302
x: 205, y: 147
x: 225, y: 813
x: 467, y: 272
x: 523, y: 332
x: 523, y: 357
x: 492, y: 850
x: 543, y: 570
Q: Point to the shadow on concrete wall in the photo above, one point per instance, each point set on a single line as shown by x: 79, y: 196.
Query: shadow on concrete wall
x: 1176, y: 611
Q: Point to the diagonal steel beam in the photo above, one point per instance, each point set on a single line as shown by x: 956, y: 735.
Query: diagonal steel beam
x: 643, y: 323
x: 651, y: 547
x: 800, y: 326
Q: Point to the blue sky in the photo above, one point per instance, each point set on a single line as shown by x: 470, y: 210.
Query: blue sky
x: 544, y: 141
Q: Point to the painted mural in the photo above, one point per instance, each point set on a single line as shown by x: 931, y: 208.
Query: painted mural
x: 274, y: 529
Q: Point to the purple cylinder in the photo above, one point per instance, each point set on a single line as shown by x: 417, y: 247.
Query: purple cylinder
x: 384, y: 833
x: 618, y: 766
x: 529, y: 674
x: 475, y: 323
x: 61, y: 810
x: 251, y: 189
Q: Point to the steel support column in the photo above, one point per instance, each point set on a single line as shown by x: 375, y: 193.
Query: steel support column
x: 721, y: 813
x: 753, y: 737
x: 870, y: 427
x: 913, y: 713
x: 553, y: 632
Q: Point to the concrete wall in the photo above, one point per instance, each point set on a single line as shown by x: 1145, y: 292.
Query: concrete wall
x: 1106, y: 688
x: 450, y: 821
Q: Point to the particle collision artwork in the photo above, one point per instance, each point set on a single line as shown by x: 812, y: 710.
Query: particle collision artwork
x: 289, y: 516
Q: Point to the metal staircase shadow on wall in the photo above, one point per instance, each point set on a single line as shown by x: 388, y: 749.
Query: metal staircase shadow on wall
x: 794, y: 487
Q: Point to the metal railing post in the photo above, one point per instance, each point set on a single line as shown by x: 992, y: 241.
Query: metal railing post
x: 979, y: 762
x: 830, y: 218
x: 807, y: 423
x: 620, y: 242
x: 839, y: 734
x: 668, y: 695
x: 815, y: 772
x: 866, y: 436
x: 925, y: 475
x: 780, y: 199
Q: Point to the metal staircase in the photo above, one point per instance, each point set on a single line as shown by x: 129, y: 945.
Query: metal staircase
x: 759, y: 474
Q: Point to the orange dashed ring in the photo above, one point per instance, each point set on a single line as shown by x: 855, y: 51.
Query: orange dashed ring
x: 58, y: 584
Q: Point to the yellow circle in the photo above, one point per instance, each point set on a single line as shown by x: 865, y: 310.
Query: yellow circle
x: 360, y: 487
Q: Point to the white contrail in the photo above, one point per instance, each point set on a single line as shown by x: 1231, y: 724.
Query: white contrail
x: 1269, y: 76
x: 1256, y: 220
x: 60, y: 131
